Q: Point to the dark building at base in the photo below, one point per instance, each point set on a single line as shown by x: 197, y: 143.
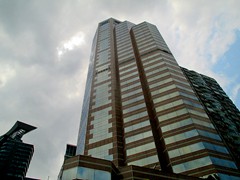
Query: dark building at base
x: 15, y: 155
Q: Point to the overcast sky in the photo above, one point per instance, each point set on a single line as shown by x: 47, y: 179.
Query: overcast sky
x: 45, y: 49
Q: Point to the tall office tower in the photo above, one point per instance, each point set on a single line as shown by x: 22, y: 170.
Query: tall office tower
x: 141, y: 113
x: 15, y: 156
x: 222, y: 112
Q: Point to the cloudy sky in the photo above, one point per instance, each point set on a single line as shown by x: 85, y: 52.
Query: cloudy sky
x: 45, y: 48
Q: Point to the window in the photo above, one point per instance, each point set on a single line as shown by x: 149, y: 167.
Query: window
x: 186, y: 149
x: 103, y: 57
x: 135, y: 116
x: 104, y: 44
x: 142, y: 148
x: 201, y: 162
x: 182, y: 136
x: 139, y: 137
x: 136, y: 107
x: 145, y: 161
x: 137, y: 126
x: 133, y: 100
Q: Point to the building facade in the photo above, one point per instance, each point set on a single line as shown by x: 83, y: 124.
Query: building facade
x: 15, y: 156
x: 141, y: 110
x: 222, y: 112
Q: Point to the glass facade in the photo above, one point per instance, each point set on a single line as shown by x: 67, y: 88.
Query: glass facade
x: 141, y: 108
x: 85, y: 173
x: 86, y: 101
x: 135, y: 117
x: 222, y: 112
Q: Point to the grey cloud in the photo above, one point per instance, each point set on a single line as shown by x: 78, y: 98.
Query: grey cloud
x: 47, y: 92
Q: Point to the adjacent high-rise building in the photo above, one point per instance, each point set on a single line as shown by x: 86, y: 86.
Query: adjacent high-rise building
x: 15, y: 155
x: 143, y: 113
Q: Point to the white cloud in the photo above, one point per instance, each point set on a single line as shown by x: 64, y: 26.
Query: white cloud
x: 199, y: 34
x: 72, y: 43
x: 49, y: 94
x: 6, y: 73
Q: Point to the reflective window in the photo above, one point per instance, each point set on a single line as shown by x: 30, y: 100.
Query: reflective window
x: 145, y: 161
x: 104, y: 27
x: 138, y: 137
x: 124, y: 49
x: 104, y: 35
x: 158, y: 76
x: 157, y: 71
x: 102, y: 68
x: 103, y: 76
x: 185, y: 88
x: 144, y: 49
x: 209, y: 135
x: 129, y: 80
x: 101, y: 94
x: 169, y: 105
x: 186, y: 149
x: 100, y: 121
x: 181, y: 81
x: 203, y: 123
x: 101, y: 115
x: 135, y: 116
x: 202, y: 114
x: 124, y: 67
x: 133, y: 100
x: 176, y: 125
x: 227, y: 177
x: 223, y: 162
x: 185, y: 122
x: 127, y: 56
x: 103, y: 57
x: 102, y: 88
x: 131, y: 86
x: 181, y: 136
x: 123, y: 54
x: 101, y: 151
x: 69, y: 174
x: 131, y: 93
x: 142, y: 148
x: 146, y: 58
x: 92, y: 174
x: 146, y: 43
x: 137, y: 126
x: 172, y: 114
x: 156, y: 65
x: 104, y: 44
x: 156, y: 60
x: 99, y: 137
x: 100, y: 129
x: 191, y: 103
x: 130, y: 109
x: 201, y: 162
x: 100, y: 101
x: 215, y: 147
x: 161, y: 90
x: 165, y: 97
x: 188, y: 95
x: 134, y: 73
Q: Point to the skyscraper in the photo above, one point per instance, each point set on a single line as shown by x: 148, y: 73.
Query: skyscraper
x: 222, y: 112
x: 15, y: 156
x: 141, y: 110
